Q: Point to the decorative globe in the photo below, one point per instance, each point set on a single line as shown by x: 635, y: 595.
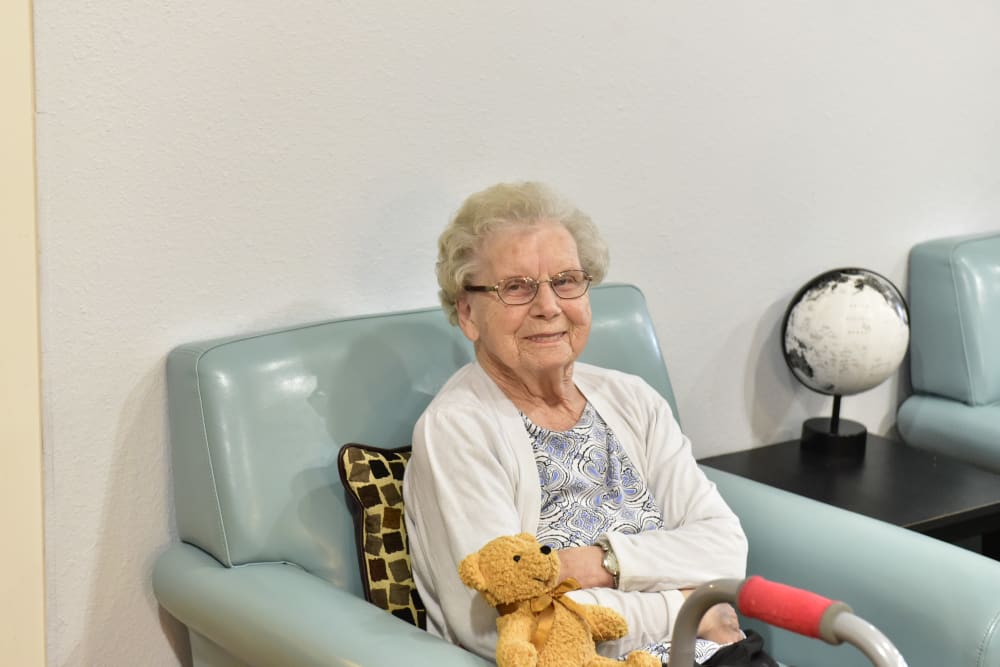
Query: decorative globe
x: 846, y: 331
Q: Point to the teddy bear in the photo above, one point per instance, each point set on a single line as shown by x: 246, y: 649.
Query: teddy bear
x: 538, y: 626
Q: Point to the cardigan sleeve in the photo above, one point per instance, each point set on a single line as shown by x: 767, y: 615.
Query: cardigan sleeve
x: 459, y: 494
x: 701, y: 538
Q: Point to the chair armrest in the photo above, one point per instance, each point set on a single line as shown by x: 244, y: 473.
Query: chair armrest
x: 279, y: 614
x: 939, y: 604
x: 952, y: 428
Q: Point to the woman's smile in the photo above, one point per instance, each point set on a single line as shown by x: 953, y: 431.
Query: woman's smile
x: 546, y: 338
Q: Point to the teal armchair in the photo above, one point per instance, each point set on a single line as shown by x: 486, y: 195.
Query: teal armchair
x: 266, y: 573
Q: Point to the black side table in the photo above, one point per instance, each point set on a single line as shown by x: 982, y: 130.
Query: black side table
x: 914, y: 488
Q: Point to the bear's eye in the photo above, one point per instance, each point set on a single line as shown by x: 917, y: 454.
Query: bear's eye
x: 517, y: 559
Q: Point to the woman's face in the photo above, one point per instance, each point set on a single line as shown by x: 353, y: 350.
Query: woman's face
x: 537, y: 338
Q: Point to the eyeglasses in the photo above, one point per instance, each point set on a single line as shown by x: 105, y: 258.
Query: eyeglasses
x: 521, y: 290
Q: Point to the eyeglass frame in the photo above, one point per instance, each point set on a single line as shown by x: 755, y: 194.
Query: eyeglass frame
x: 587, y: 279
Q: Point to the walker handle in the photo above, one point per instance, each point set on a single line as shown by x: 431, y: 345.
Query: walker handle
x: 794, y: 609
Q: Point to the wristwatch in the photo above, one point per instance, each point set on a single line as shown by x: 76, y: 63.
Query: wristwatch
x: 610, y: 562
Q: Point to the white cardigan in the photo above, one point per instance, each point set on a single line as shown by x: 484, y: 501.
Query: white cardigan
x: 473, y: 477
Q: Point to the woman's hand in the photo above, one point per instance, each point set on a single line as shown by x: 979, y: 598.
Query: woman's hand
x: 585, y: 564
x: 719, y: 624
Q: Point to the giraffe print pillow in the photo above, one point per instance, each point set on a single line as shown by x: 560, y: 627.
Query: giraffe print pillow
x: 373, y: 479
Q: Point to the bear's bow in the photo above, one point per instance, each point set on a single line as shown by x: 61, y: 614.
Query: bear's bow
x: 544, y: 607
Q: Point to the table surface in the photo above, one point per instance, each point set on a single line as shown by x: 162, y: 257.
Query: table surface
x: 895, y: 482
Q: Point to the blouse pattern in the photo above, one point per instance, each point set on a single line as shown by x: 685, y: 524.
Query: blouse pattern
x: 589, y: 485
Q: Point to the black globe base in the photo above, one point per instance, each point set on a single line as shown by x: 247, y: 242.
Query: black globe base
x: 848, y: 442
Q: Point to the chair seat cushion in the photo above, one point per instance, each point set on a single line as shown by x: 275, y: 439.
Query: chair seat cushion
x: 373, y: 481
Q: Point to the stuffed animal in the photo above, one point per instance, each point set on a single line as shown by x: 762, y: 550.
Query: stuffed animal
x: 538, y: 626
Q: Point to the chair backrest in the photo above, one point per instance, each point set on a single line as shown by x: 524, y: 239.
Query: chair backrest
x: 954, y: 293
x: 256, y: 421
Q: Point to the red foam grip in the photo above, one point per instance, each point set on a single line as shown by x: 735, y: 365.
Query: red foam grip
x: 781, y: 605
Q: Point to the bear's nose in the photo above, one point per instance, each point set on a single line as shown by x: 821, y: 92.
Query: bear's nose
x: 546, y: 550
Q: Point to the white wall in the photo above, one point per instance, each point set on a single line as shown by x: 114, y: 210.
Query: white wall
x: 215, y: 167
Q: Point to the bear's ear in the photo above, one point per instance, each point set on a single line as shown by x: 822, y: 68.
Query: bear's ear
x: 470, y: 573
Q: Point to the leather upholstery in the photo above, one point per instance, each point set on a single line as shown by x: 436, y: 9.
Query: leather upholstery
x: 954, y: 294
x: 266, y: 573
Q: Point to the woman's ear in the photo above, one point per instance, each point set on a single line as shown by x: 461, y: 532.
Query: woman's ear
x: 465, y: 320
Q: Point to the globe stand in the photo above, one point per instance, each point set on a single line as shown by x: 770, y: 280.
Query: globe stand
x: 834, y: 437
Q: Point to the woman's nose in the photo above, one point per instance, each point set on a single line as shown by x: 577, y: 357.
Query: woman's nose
x: 546, y: 302
x: 546, y: 550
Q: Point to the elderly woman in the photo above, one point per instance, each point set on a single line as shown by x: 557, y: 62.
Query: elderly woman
x: 526, y: 439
